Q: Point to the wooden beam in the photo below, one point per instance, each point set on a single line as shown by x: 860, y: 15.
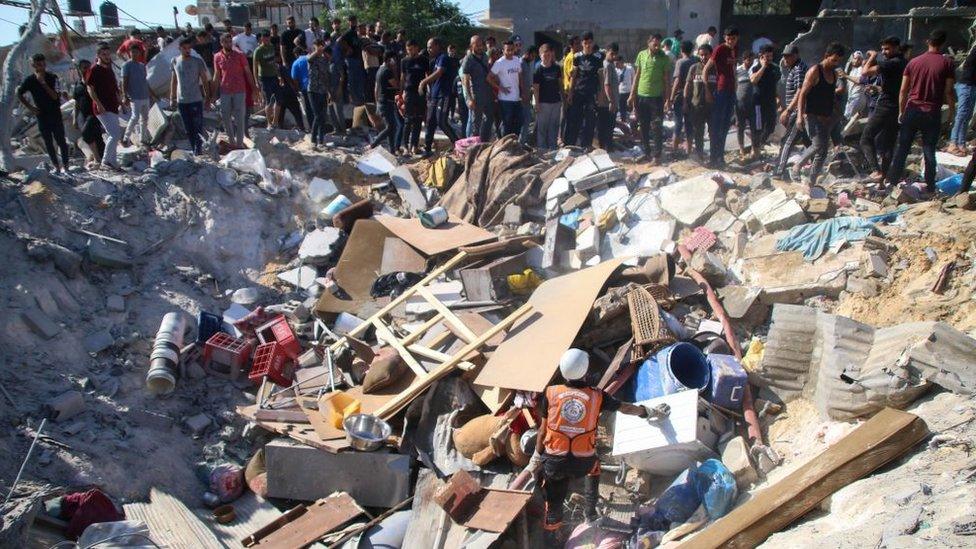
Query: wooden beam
x: 422, y: 329
x: 384, y: 333
x: 422, y: 383
x: 460, y: 328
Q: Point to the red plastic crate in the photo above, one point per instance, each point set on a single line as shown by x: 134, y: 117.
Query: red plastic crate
x: 278, y: 330
x: 271, y: 361
x: 226, y: 356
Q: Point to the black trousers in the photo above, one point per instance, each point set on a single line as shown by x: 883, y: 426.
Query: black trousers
x: 745, y: 117
x: 650, y: 118
x: 289, y: 103
x: 52, y: 131
x: 767, y: 117
x: 413, y: 120
x: 604, y: 124
x: 695, y: 122
x: 929, y: 125
x: 581, y: 121
x: 437, y: 117
x: 557, y: 472
x: 878, y: 137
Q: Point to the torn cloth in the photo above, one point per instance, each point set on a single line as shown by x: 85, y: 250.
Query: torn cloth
x: 813, y: 239
x: 495, y: 175
x: 82, y: 509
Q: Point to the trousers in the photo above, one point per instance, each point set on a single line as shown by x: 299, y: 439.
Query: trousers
x: 926, y: 123
x: 192, y: 116
x: 547, y: 125
x: 437, y: 117
x: 110, y: 122
x: 233, y: 114
x: 139, y: 119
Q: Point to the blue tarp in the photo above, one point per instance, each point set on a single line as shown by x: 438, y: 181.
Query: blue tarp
x: 813, y: 239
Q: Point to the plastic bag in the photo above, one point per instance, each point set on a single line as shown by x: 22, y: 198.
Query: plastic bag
x: 715, y: 485
x: 122, y: 533
x: 680, y: 499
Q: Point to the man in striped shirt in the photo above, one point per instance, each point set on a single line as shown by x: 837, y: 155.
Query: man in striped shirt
x: 796, y: 70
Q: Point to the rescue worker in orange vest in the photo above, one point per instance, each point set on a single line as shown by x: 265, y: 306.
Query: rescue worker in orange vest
x: 566, y: 446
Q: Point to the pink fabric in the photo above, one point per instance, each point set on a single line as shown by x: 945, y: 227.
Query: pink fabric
x: 233, y: 69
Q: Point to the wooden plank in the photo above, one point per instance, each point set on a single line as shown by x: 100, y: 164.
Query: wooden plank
x: 421, y: 384
x: 394, y: 303
x: 422, y: 329
x: 886, y: 436
x: 320, y: 518
x: 461, y: 330
x: 496, y: 511
x: 385, y: 334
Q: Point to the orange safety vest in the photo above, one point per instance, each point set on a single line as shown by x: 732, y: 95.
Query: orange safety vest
x: 571, y: 420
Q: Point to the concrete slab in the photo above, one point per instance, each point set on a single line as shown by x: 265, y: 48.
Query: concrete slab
x: 322, y: 190
x: 377, y: 162
x: 316, y: 247
x: 689, y: 200
x: 581, y: 168
x: 301, y: 277
x: 373, y: 479
x: 407, y: 188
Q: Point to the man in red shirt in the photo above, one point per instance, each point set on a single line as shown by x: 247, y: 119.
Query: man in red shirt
x: 133, y: 41
x: 233, y: 78
x: 722, y: 63
x: 927, y: 83
x: 104, y: 91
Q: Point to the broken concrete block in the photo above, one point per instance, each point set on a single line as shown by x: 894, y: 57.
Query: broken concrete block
x: 784, y: 216
x: 46, y: 302
x: 316, y: 247
x: 965, y: 201
x: 294, y: 310
x: 820, y: 207
x: 40, y: 323
x: 866, y: 287
x: 301, y: 277
x: 198, y: 424
x: 738, y: 300
x: 322, y: 190
x: 378, y: 161
x: 410, y: 193
x: 578, y: 200
x: 720, y: 221
x: 97, y: 342
x: 115, y: 303
x: 876, y: 266
x: 559, y: 188
x: 558, y: 239
x: 583, y: 167
x: 735, y: 456
x: 598, y: 179
x: 373, y: 479
x: 106, y: 254
x: 602, y: 160
x: 65, y: 406
x: 710, y: 266
x: 689, y: 200
x: 65, y: 260
x: 588, y: 242
x: 512, y: 214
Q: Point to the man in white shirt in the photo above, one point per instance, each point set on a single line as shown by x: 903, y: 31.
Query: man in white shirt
x: 760, y: 41
x: 506, y: 78
x: 313, y: 33
x: 707, y: 37
x: 246, y: 42
x: 625, y: 74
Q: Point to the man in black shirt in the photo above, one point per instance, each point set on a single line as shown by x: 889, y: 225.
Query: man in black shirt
x: 547, y: 88
x: 881, y: 130
x: 352, y: 51
x: 765, y: 77
x: 288, y: 41
x: 44, y: 90
x: 413, y: 70
x: 440, y: 83
x: 581, y: 114
x: 387, y: 85
x: 84, y: 117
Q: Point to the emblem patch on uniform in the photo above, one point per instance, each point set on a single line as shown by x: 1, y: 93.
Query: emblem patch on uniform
x: 573, y: 410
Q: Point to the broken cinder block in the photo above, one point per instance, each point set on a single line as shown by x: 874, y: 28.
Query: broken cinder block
x: 735, y: 456
x: 39, y: 322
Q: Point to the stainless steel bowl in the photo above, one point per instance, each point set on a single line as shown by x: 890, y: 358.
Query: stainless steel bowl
x: 366, y: 432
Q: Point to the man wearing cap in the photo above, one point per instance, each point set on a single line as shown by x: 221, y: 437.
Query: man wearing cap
x: 795, y: 70
x: 566, y: 446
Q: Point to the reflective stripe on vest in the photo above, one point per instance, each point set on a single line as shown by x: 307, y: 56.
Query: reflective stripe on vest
x: 572, y: 420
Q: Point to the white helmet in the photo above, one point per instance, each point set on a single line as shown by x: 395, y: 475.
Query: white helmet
x: 573, y: 364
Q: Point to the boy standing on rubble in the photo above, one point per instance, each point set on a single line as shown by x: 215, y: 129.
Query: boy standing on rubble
x: 566, y: 446
x: 189, y: 90
x: 45, y: 91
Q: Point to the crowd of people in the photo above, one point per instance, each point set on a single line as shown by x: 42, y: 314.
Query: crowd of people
x: 549, y: 98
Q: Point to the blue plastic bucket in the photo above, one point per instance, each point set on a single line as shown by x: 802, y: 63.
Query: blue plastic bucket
x: 673, y: 369
x: 338, y: 204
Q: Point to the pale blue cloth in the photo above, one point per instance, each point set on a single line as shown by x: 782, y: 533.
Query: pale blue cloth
x: 813, y: 239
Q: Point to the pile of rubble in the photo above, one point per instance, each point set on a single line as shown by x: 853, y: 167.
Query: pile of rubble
x: 332, y: 347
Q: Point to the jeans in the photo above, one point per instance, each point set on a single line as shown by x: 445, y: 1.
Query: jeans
x: 437, y: 118
x: 679, y: 119
x: 110, y: 122
x: 928, y: 124
x: 697, y: 117
x: 547, y: 125
x: 511, y: 117
x: 818, y: 128
x: 767, y: 119
x: 414, y: 119
x: 745, y: 116
x: 526, y: 126
x: 480, y: 121
x: 139, y: 118
x: 623, y: 109
x: 793, y: 133
x: 233, y: 113
x: 966, y: 97
x: 192, y: 116
x: 878, y: 137
x: 356, y: 75
x: 650, y: 118
x: 393, y: 132
x: 53, y: 132
x: 718, y: 127
x: 581, y: 120
x: 319, y: 115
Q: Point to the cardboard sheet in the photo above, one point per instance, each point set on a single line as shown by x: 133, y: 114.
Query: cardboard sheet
x: 450, y: 236
x: 356, y: 270
x: 400, y: 256
x: 529, y: 356
x: 879, y: 440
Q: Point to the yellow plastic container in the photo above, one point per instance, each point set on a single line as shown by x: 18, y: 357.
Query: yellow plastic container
x: 340, y: 406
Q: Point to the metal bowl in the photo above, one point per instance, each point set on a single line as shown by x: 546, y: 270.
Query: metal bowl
x: 366, y: 432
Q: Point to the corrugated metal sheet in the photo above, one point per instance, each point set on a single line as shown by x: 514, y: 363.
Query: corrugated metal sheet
x: 175, y: 525
x: 849, y: 369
